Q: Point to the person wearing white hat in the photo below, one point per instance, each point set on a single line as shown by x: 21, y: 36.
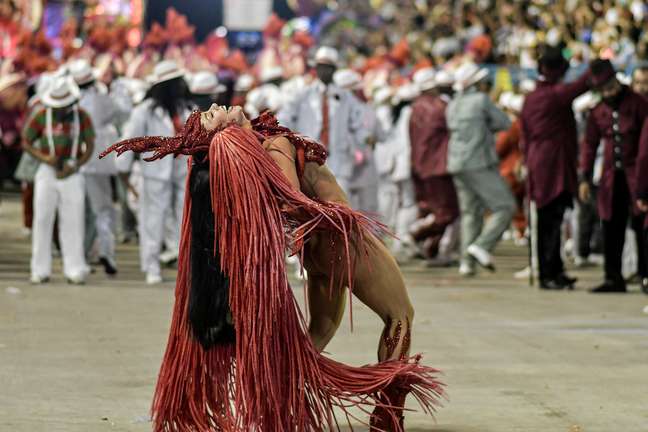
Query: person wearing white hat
x: 244, y: 83
x: 205, y: 89
x: 162, y: 113
x: 347, y: 79
x: 363, y: 185
x: 329, y: 114
x: 473, y: 120
x: 382, y: 130
x: 268, y: 97
x: 435, y: 193
x: 396, y: 192
x: 60, y: 135
x: 272, y: 75
x: 105, y: 115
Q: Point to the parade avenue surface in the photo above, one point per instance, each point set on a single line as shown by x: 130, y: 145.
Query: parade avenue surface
x: 85, y: 358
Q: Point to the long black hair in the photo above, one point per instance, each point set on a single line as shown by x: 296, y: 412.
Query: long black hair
x: 210, y: 318
x: 170, y: 95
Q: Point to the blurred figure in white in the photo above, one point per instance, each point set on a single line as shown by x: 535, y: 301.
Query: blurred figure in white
x: 128, y: 93
x: 205, y: 89
x: 387, y: 191
x: 243, y: 85
x: 398, y: 153
x: 163, y: 113
x: 363, y: 185
x: 264, y: 98
x: 61, y: 137
x: 329, y: 114
x: 104, y: 114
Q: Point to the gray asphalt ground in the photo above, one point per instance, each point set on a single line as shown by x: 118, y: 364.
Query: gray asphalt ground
x: 85, y: 358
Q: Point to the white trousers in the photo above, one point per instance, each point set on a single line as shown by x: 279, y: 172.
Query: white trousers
x: 364, y: 198
x: 159, y: 198
x: 100, y: 200
x: 67, y: 197
x: 388, y: 201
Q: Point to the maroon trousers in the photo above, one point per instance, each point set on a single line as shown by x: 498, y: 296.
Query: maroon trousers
x: 435, y: 195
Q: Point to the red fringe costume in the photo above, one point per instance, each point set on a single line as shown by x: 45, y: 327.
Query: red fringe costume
x: 272, y: 378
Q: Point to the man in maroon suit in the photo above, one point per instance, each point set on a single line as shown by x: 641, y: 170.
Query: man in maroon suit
x: 619, y: 121
x: 434, y: 189
x: 550, y: 146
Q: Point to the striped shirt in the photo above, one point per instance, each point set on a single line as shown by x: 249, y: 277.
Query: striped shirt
x: 35, y: 132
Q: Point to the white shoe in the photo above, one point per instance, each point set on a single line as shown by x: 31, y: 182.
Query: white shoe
x: 153, y: 279
x: 422, y: 223
x: 482, y: 257
x: 466, y: 270
x: 525, y: 273
x: 521, y: 241
x: 37, y: 280
x: 168, y: 256
x: 579, y: 261
x: 596, y: 259
x: 76, y: 280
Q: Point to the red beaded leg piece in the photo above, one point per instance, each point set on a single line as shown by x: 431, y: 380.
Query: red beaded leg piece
x: 389, y: 417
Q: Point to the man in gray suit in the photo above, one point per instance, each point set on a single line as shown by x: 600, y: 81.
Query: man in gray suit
x: 473, y: 120
x: 329, y: 114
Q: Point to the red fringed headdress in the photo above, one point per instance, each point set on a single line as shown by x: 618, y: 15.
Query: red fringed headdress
x: 272, y: 379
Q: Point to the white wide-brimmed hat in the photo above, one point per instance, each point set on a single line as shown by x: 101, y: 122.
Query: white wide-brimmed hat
x: 444, y: 78
x: 263, y: 98
x: 406, y: 93
x: 11, y: 79
x: 205, y: 83
x: 425, y: 79
x: 382, y: 95
x: 347, y: 79
x: 327, y: 55
x: 467, y: 75
x: 244, y: 83
x: 82, y: 72
x: 166, y: 70
x: 271, y: 74
x: 61, y: 93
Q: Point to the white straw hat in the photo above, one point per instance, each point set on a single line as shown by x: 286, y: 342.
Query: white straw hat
x: 166, y: 70
x: 425, y: 79
x: 62, y: 92
x: 405, y: 93
x: 382, y: 95
x: 271, y: 74
x: 244, y: 83
x: 11, y: 79
x: 347, y: 79
x: 468, y: 75
x: 82, y: 72
x: 327, y: 55
x: 444, y: 78
x: 205, y: 83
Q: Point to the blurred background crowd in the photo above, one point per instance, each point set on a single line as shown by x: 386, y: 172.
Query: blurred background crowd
x: 389, y: 63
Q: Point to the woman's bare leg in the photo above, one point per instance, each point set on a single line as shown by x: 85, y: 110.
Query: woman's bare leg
x: 326, y: 307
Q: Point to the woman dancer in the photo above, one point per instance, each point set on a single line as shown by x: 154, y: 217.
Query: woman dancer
x: 239, y: 357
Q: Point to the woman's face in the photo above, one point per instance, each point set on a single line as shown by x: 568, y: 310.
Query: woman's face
x: 214, y: 117
x: 237, y: 116
x: 218, y: 116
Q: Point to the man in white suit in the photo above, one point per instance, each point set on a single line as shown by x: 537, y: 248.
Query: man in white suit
x: 329, y: 114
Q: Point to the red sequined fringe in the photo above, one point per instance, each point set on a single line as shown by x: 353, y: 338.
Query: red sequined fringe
x: 272, y: 379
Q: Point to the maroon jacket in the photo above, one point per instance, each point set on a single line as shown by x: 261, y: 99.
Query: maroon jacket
x: 633, y: 112
x: 429, y: 137
x: 550, y: 140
